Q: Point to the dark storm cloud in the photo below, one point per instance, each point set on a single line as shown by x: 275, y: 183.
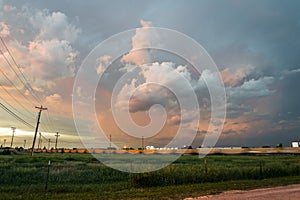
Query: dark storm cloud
x: 261, y: 33
x: 262, y: 36
x: 286, y: 104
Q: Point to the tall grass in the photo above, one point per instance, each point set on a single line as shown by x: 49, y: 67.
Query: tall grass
x: 64, y: 169
x: 83, y: 169
x: 217, y: 169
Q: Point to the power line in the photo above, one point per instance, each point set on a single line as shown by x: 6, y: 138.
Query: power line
x: 22, y: 94
x: 21, y: 105
x: 45, y: 128
x: 47, y: 125
x: 27, y: 84
x: 44, y: 137
x: 70, y: 142
x: 11, y: 67
x: 50, y: 122
x: 13, y: 108
x: 15, y: 116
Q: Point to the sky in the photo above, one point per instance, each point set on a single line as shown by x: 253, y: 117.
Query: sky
x: 254, y: 44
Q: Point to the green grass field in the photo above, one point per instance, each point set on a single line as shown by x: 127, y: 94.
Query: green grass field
x: 81, y: 176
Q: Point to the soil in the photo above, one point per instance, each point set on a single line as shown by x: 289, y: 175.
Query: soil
x: 290, y: 192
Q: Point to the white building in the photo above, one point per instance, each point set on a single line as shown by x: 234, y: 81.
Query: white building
x: 295, y: 144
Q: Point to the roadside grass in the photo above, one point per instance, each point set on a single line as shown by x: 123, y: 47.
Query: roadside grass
x: 122, y: 191
x: 81, y: 176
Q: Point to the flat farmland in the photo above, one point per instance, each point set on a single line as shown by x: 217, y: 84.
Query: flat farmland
x: 81, y: 176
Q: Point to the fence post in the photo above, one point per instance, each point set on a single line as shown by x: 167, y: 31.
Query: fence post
x: 261, y: 169
x: 47, y: 177
x: 131, y: 174
x: 205, y: 167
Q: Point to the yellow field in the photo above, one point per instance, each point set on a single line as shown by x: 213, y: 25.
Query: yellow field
x: 229, y: 151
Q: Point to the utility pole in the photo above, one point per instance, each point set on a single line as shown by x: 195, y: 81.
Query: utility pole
x: 37, y: 126
x: 49, y: 144
x: 109, y: 141
x: 39, y: 143
x: 12, y: 137
x: 24, y: 143
x: 142, y: 142
x: 4, y: 142
x: 56, y: 135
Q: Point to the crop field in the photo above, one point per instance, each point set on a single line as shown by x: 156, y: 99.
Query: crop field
x: 81, y: 176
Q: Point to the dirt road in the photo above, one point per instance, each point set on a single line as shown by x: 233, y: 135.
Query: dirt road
x: 291, y: 192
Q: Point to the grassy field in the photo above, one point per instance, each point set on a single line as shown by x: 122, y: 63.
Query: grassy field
x: 81, y: 176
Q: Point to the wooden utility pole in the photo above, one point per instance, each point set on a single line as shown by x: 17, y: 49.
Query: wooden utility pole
x: 142, y: 142
x: 49, y: 143
x: 4, y: 142
x: 109, y: 141
x: 56, y: 135
x: 12, y: 137
x: 24, y: 143
x: 37, y: 126
x: 40, y: 138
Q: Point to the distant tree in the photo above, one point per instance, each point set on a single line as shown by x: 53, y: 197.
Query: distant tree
x: 6, y: 152
x: 187, y: 147
x: 279, y: 145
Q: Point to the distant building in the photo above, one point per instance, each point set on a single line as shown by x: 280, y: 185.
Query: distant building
x: 295, y: 144
x: 161, y: 148
x: 150, y: 147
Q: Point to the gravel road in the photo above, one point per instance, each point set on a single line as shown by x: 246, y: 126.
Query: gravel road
x: 290, y: 192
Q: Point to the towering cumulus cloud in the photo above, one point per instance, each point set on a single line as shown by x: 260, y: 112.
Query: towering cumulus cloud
x: 143, y: 94
x: 137, y: 55
x: 4, y: 29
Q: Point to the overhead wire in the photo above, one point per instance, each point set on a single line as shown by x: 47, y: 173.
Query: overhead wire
x: 47, y: 124
x: 29, y: 101
x: 20, y: 104
x: 13, y: 108
x: 44, y: 126
x: 27, y: 84
x: 12, y: 83
x: 15, y: 116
